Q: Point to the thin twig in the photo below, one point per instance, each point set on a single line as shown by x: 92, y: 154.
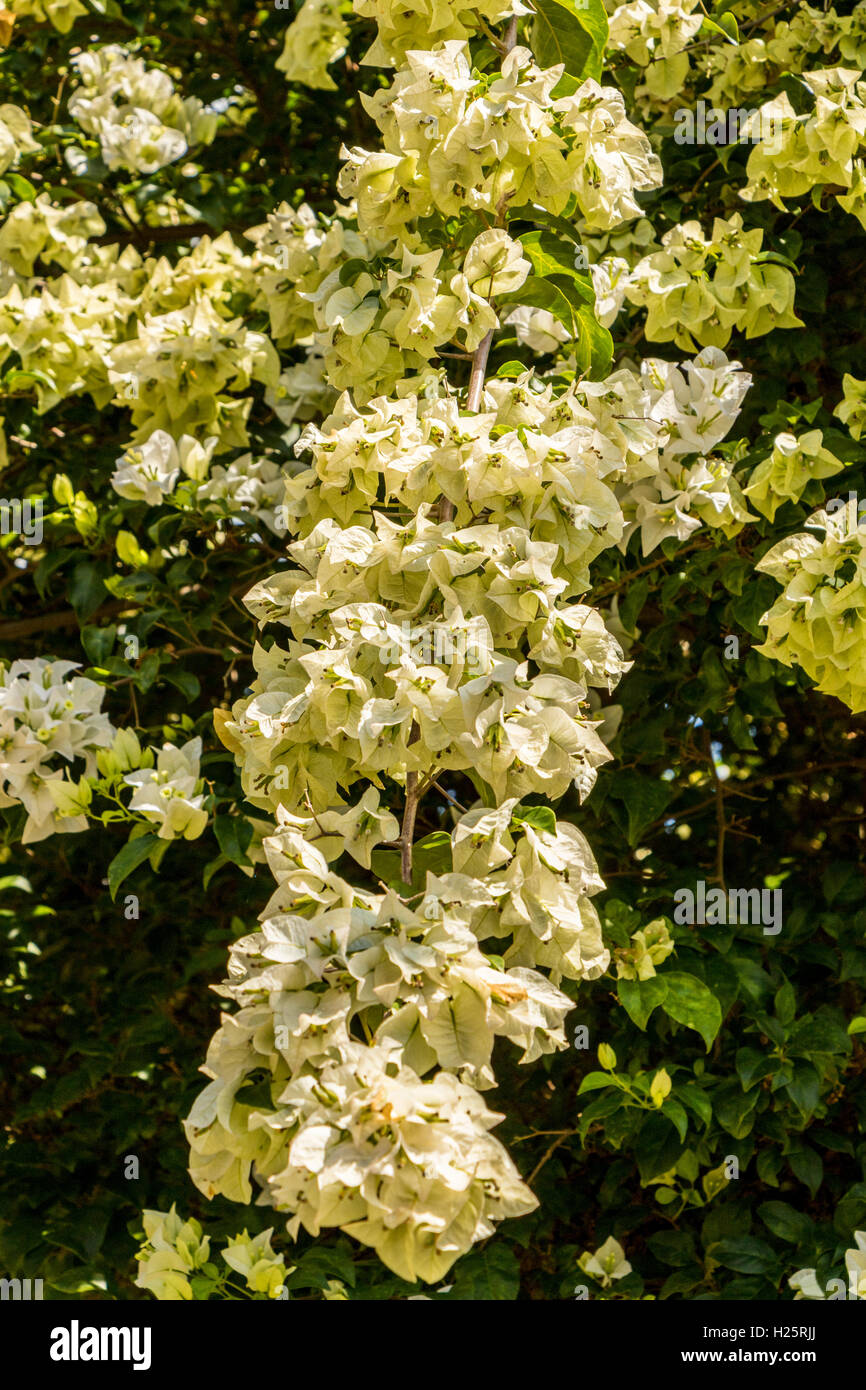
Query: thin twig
x: 548, y: 1154
x: 410, y: 810
x: 458, y: 804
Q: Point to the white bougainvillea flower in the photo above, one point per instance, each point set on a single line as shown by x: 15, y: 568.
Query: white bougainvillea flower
x: 170, y: 794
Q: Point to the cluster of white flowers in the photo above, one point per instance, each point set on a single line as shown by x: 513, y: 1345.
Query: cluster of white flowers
x: 700, y: 288
x: 43, y: 231
x: 818, y: 622
x: 168, y: 791
x: 317, y: 37
x: 141, y: 122
x: 823, y: 147
x: 663, y: 38
x: 654, y: 35
x: 63, y: 330
x: 47, y: 715
x: 742, y: 71
x: 148, y: 472
x: 783, y: 476
x: 405, y: 24
x: 247, y: 488
x: 346, y: 1082
x: 455, y: 140
x: 173, y: 1250
x: 170, y: 795
x: 175, y: 374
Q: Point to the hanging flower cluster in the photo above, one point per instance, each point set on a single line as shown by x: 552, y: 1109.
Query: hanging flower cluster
x: 438, y: 548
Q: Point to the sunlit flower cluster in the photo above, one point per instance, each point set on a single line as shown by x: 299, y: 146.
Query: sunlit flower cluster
x: 783, y: 476
x: 818, y: 622
x: 141, y: 122
x: 317, y: 37
x: 170, y: 794
x: 454, y: 140
x: 822, y: 147
x: 701, y: 287
x: 654, y: 35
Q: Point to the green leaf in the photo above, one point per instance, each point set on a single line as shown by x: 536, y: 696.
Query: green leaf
x: 785, y: 1221
x: 726, y: 27
x: 675, y: 1248
x: 682, y: 1281
x: 690, y: 1002
x: 695, y: 1100
x: 594, y: 1081
x: 753, y: 1065
x: 549, y: 256
x: 86, y: 589
x: 673, y: 1111
x: 532, y: 212
x: 489, y: 1274
x: 98, y: 643
x: 734, y: 1109
x: 804, y: 1088
x: 539, y: 817
x: 593, y: 349
x: 147, y: 671
x: 212, y: 868
x: 21, y: 187
x: 746, y: 1255
x: 644, y: 798
x: 657, y: 1148
x: 640, y: 997
x: 785, y: 1003
x: 819, y: 1034
x: 233, y: 837
x: 808, y: 1167
x: 571, y: 32
x: 850, y: 1214
x: 630, y: 607
x: 351, y: 269
x: 184, y: 681
x: 432, y: 854
x: 134, y: 852
x: 565, y: 299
